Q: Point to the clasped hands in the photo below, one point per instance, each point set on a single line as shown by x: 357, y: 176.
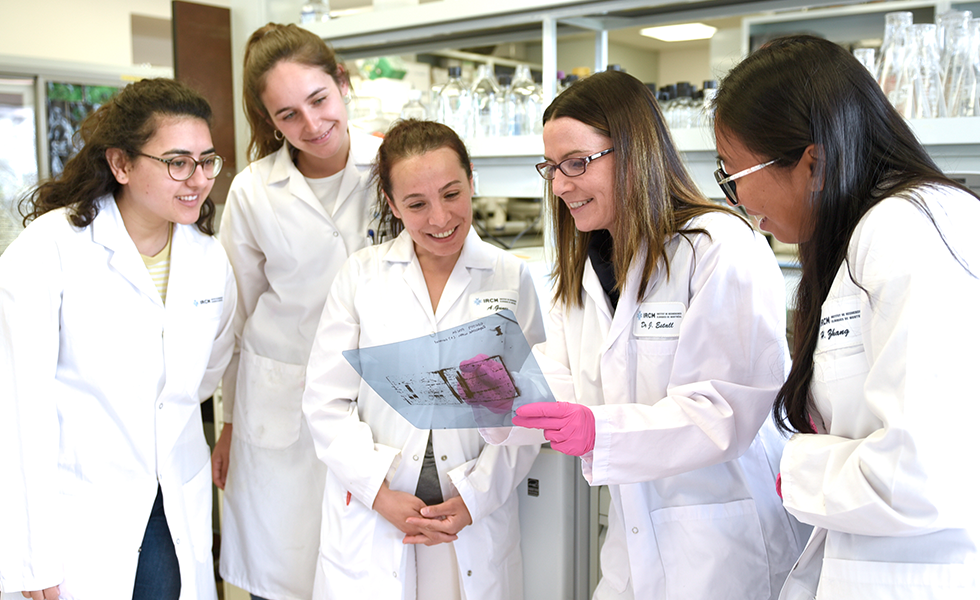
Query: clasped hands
x: 421, y: 524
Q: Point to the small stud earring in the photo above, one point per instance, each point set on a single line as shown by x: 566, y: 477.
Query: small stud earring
x: 347, y: 98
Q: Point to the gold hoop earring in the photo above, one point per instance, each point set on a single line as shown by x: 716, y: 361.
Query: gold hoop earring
x: 277, y: 134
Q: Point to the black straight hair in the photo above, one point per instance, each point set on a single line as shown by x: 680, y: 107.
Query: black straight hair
x: 797, y: 91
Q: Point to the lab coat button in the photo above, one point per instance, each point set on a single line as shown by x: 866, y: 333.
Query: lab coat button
x: 443, y: 457
x: 469, y: 573
x: 335, y: 234
x: 177, y: 541
x: 394, y: 574
x: 416, y: 457
x: 161, y: 405
x: 635, y: 530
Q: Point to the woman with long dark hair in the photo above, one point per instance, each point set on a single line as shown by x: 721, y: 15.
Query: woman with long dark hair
x: 116, y: 307
x: 880, y: 396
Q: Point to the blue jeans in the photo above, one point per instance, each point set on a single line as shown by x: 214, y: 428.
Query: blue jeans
x: 157, y: 574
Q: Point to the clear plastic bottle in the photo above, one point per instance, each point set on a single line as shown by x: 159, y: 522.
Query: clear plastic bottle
x: 454, y: 103
x: 487, y: 121
x: 891, y: 59
x: 314, y: 11
x: 414, y: 109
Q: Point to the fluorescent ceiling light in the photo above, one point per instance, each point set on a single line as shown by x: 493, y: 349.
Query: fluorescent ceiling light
x: 680, y: 33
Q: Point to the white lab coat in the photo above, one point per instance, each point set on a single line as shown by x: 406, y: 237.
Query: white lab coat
x: 890, y: 485
x: 100, y: 392
x: 694, y: 511
x: 381, y: 297
x: 285, y: 249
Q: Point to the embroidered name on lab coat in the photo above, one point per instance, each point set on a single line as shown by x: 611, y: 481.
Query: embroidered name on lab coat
x: 658, y: 320
x: 840, y: 324
x: 493, y: 302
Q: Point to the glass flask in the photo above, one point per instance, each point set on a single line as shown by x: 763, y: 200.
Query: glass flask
x: 414, y: 109
x: 923, y: 71
x: 487, y: 121
x: 891, y: 58
x: 958, y: 65
x: 866, y: 56
x: 314, y: 11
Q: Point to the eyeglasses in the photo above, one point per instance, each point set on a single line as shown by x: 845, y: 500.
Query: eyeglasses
x: 571, y: 167
x: 182, y: 168
x: 727, y: 182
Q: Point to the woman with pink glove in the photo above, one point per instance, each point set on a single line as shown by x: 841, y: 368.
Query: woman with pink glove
x: 407, y: 512
x: 666, y: 347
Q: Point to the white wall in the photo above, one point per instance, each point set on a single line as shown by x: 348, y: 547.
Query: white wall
x: 580, y: 52
x: 691, y: 65
x: 87, y: 31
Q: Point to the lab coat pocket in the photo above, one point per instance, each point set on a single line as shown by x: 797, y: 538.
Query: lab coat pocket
x: 713, y: 551
x: 654, y: 361
x: 348, y: 531
x: 269, y: 403
x: 862, y: 580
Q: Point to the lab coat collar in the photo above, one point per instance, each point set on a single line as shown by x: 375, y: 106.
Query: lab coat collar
x: 354, y: 177
x: 109, y: 230
x: 473, y: 255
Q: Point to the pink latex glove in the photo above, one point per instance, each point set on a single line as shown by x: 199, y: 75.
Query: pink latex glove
x: 484, y: 381
x: 568, y: 426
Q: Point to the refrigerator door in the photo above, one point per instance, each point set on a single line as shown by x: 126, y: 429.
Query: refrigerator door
x: 18, y: 152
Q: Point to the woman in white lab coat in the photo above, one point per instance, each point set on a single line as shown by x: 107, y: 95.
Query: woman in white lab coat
x: 665, y: 349
x: 881, y: 396
x: 411, y: 513
x: 116, y: 306
x: 292, y: 218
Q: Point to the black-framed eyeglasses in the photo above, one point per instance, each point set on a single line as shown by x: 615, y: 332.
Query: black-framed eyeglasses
x: 571, y: 167
x: 182, y: 168
x: 727, y: 182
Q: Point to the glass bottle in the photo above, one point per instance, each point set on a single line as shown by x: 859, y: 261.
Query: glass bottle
x: 503, y: 105
x: 486, y: 112
x: 891, y: 58
x: 414, y: 109
x: 314, y: 11
x: 454, y: 103
x: 528, y: 101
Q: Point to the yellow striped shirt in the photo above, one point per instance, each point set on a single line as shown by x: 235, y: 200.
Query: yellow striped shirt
x: 159, y: 267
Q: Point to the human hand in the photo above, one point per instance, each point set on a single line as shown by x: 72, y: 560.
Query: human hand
x: 485, y: 382
x: 219, y: 458
x: 440, y: 523
x: 51, y: 593
x: 568, y: 426
x: 397, y: 508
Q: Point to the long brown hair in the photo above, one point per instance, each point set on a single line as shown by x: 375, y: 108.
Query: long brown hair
x: 405, y: 139
x: 267, y: 47
x: 655, y: 196
x: 126, y: 121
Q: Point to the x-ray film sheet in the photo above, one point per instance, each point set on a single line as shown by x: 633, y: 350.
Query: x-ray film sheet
x: 474, y: 375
